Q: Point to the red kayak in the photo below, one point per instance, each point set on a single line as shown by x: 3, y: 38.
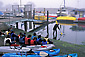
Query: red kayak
x: 82, y: 19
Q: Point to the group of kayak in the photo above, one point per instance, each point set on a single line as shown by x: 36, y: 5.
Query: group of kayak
x: 50, y: 53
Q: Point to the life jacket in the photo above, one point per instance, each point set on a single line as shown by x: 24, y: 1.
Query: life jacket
x: 8, y: 32
x: 46, y: 40
x: 19, y: 36
x: 26, y: 40
x: 32, y: 37
x: 32, y: 42
x: 21, y: 40
x: 44, y: 43
x: 38, y: 39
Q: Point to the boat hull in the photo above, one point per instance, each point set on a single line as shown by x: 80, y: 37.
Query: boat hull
x: 66, y: 18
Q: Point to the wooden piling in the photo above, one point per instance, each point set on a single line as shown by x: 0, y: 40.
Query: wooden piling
x: 25, y: 25
x: 17, y: 25
x: 47, y: 23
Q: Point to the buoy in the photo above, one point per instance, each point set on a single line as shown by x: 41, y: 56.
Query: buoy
x: 61, y: 33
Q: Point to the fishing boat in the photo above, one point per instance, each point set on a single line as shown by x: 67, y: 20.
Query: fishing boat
x: 68, y: 55
x: 35, y: 54
x: 18, y: 48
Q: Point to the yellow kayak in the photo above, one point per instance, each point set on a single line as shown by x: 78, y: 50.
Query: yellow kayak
x: 66, y: 18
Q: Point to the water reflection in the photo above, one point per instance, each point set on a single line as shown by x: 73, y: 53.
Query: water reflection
x: 66, y: 33
x: 79, y: 27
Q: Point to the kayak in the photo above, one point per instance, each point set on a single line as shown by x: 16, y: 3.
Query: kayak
x: 36, y: 53
x: 43, y: 47
x: 18, y: 48
x: 73, y: 55
x: 20, y: 55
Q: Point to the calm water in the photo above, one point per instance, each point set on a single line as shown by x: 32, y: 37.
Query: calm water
x: 72, y: 33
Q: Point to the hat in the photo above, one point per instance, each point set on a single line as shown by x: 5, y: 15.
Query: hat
x: 57, y: 22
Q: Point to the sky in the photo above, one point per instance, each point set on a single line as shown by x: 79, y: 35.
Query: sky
x: 45, y: 3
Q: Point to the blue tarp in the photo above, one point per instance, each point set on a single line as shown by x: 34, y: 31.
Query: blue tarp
x: 1, y: 13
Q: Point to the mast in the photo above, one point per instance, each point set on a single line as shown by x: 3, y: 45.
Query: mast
x: 64, y: 3
x: 20, y: 3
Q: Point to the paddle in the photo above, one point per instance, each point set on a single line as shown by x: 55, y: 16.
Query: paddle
x: 43, y: 54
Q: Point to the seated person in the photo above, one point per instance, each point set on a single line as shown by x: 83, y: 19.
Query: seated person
x: 22, y: 40
x: 27, y: 40
x: 39, y: 40
x: 48, y: 41
x: 33, y: 42
x: 34, y: 35
x: 44, y: 42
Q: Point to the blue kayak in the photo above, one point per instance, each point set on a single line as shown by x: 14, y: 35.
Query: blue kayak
x: 37, y: 53
x: 73, y: 55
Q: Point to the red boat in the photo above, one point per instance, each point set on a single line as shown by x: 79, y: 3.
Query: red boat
x: 51, y: 16
x: 81, y: 19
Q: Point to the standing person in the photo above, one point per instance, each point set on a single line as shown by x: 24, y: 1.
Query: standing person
x: 55, y: 28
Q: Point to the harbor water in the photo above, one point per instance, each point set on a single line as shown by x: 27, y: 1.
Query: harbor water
x: 72, y: 33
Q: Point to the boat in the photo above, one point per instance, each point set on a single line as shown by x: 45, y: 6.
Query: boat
x: 6, y: 55
x: 19, y: 48
x: 64, y: 14
x: 35, y: 54
x: 66, y: 18
x: 81, y: 19
x: 73, y: 55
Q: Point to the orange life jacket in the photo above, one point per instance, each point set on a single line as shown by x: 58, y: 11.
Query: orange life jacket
x: 26, y: 40
x: 32, y: 42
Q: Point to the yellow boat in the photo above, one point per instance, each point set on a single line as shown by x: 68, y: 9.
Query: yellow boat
x: 41, y: 18
x: 66, y: 18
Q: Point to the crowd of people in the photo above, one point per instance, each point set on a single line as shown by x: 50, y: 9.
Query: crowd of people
x: 22, y: 39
